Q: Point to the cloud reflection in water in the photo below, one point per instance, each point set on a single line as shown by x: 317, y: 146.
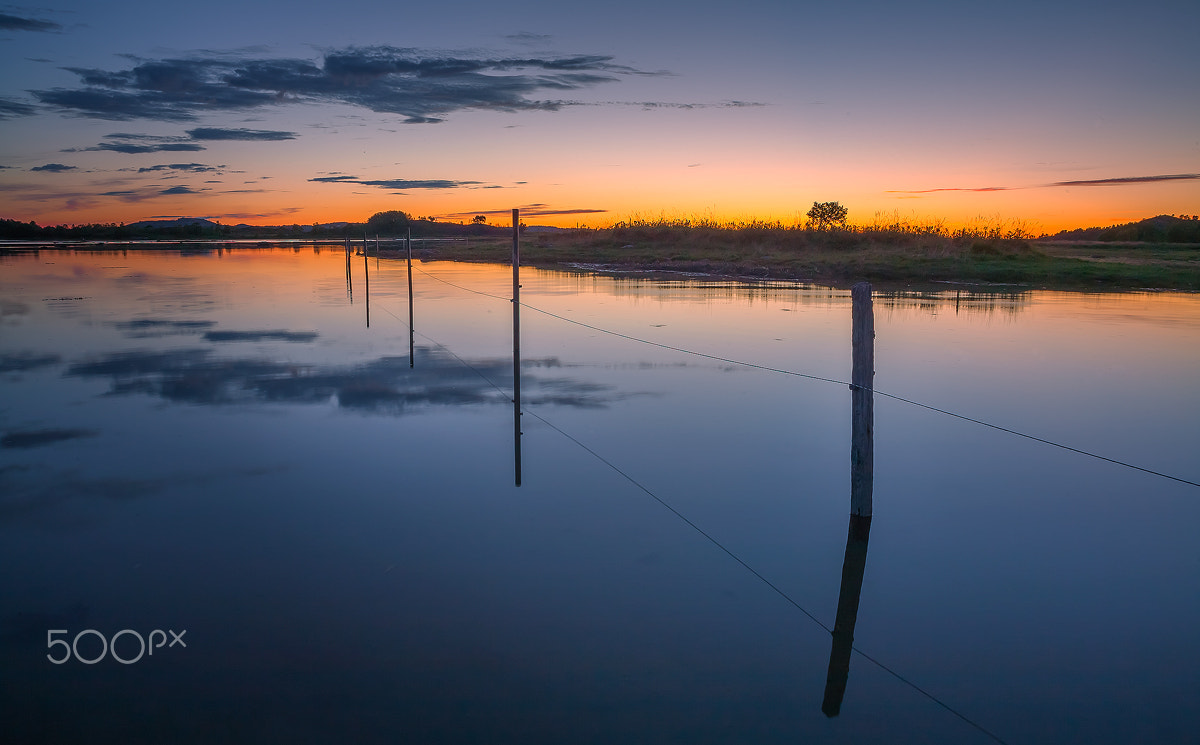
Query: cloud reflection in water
x: 386, y: 385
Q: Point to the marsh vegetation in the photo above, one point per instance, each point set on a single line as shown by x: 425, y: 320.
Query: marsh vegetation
x: 900, y: 251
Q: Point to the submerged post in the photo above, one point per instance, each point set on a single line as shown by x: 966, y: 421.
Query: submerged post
x: 862, y: 448
x: 411, y: 330
x: 862, y: 465
x: 516, y: 303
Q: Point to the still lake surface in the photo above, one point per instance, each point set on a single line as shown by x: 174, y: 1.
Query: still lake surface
x: 215, y: 442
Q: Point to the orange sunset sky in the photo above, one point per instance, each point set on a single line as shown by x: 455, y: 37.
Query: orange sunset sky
x: 1055, y: 114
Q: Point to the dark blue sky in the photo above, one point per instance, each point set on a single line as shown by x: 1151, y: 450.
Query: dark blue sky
x: 1059, y: 114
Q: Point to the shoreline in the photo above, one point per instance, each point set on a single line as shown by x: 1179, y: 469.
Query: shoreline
x: 1000, y: 265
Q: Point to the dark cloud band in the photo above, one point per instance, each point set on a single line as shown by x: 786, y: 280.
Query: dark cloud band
x: 16, y: 23
x: 420, y: 86
x: 10, y: 109
x: 397, y: 184
x: 219, y: 133
x: 1123, y: 181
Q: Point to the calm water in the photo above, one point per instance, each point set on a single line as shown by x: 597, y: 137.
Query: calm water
x: 217, y: 443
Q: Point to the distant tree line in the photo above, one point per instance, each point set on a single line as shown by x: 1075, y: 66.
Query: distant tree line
x: 391, y: 224
x: 1161, y: 229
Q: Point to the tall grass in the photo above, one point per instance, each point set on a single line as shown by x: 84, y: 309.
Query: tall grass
x: 882, y: 228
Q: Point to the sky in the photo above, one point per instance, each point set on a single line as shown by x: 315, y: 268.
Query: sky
x: 1051, y: 115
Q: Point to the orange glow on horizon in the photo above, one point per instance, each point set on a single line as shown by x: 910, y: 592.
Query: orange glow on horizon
x: 1040, y: 211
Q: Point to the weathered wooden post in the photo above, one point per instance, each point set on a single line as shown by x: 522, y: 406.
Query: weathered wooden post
x: 411, y: 329
x: 516, y: 303
x: 862, y: 464
x: 862, y: 446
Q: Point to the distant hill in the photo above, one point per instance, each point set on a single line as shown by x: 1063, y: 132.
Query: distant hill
x: 182, y: 222
x: 1160, y: 229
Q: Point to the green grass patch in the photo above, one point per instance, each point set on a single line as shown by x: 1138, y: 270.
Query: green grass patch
x: 840, y: 257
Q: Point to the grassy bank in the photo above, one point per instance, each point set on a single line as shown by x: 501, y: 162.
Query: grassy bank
x: 841, y: 257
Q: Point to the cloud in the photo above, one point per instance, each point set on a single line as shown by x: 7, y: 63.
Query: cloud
x: 189, y: 167
x: 1123, y: 181
x: 10, y: 109
x: 217, y: 133
x: 535, y: 210
x: 130, y: 196
x: 141, y: 195
x: 421, y: 86
x: 53, y: 168
x: 256, y: 215
x: 397, y: 184
x: 15, y: 23
x: 931, y: 191
x: 649, y: 105
x: 131, y: 149
x: 1130, y: 180
x: 540, y: 213
x: 135, y: 144
x: 525, y: 38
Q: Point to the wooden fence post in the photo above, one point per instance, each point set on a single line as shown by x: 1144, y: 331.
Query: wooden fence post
x: 862, y: 465
x: 516, y: 304
x: 862, y: 447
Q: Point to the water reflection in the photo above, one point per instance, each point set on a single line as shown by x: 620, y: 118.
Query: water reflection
x: 360, y: 586
x: 971, y: 299
x: 149, y: 328
x: 39, y: 437
x: 386, y: 384
x: 22, y: 361
x: 853, y: 567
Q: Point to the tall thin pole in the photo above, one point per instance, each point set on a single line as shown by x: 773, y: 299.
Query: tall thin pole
x: 862, y: 447
x: 411, y: 328
x: 367, y: 280
x: 516, y: 304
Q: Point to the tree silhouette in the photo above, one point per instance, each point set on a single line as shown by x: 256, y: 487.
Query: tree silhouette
x: 825, y: 215
x: 392, y: 222
x: 479, y: 219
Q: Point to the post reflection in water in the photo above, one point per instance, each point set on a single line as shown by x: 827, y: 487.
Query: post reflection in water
x: 349, y: 282
x: 861, y: 487
x: 411, y: 328
x: 367, y: 281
